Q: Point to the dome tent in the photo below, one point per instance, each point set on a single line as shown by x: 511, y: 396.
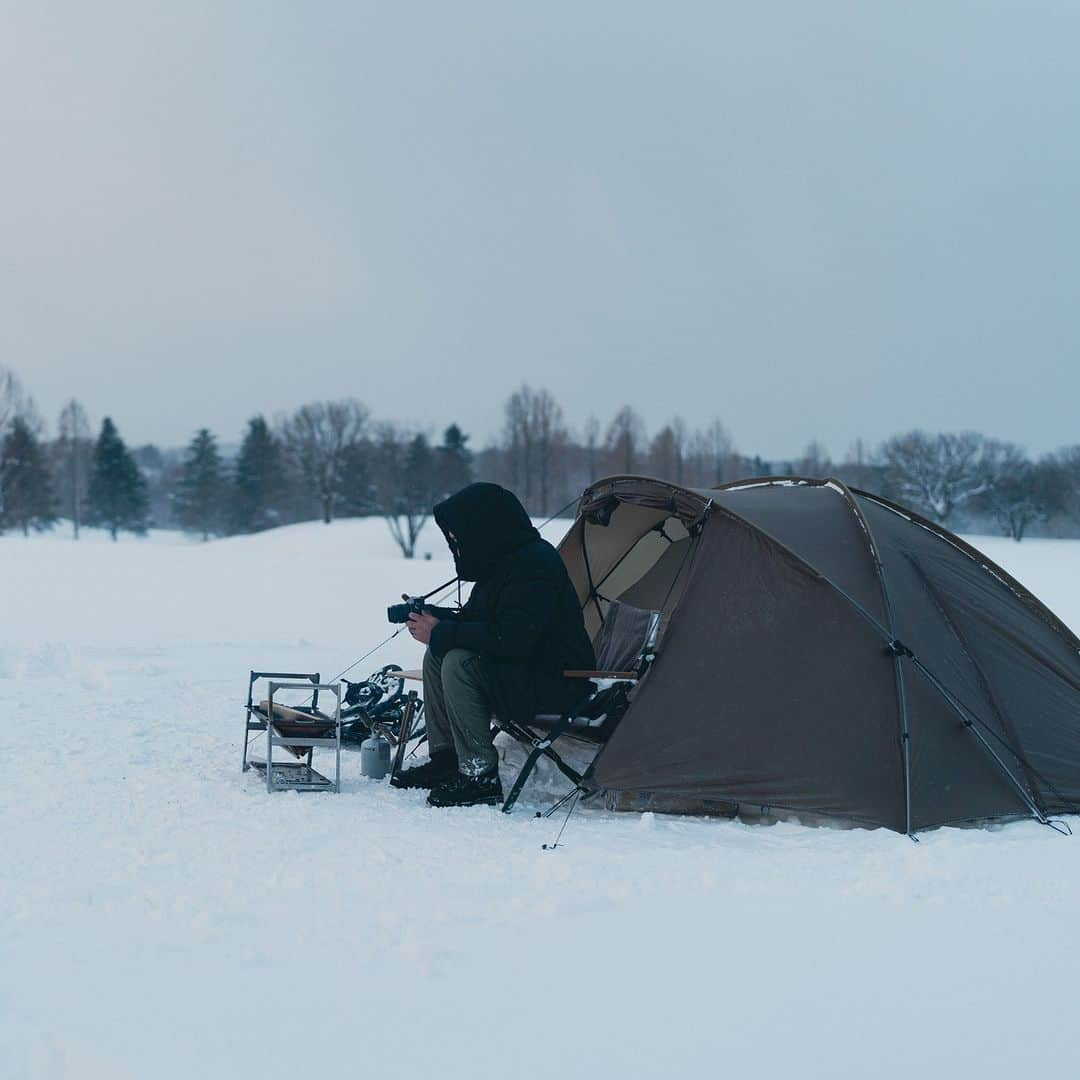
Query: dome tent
x: 827, y: 651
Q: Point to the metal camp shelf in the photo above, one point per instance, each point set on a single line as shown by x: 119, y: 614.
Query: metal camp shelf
x: 295, y: 775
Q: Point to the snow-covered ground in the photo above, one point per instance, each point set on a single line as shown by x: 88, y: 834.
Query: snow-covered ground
x: 162, y: 916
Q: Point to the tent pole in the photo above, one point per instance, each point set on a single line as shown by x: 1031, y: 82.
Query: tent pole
x: 593, y: 595
x: 658, y: 528
x: 984, y: 682
x: 969, y: 720
x: 898, y: 668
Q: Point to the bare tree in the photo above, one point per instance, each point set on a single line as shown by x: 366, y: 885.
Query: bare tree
x: 815, y: 461
x: 517, y: 442
x: 859, y: 468
x: 74, y: 450
x: 1017, y: 492
x: 679, y: 440
x: 667, y: 452
x: 407, y: 473
x: 534, y: 441
x: 711, y: 456
x: 551, y: 439
x: 592, y: 446
x: 625, y: 440
x: 936, y: 474
x: 662, y: 454
x: 1066, y: 464
x: 318, y: 438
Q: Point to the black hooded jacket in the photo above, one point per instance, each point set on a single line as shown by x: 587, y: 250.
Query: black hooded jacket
x: 523, y: 615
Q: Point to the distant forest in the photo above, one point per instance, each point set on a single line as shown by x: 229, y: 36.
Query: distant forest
x: 334, y: 459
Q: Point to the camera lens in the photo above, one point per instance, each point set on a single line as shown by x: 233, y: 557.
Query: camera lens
x: 398, y: 613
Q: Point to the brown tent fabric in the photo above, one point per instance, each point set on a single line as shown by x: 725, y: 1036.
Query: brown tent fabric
x: 827, y: 651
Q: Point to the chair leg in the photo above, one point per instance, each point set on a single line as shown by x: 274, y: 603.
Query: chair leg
x: 570, y: 773
x: 541, y: 745
x: 519, y: 783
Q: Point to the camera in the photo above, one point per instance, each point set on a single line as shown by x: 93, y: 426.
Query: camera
x: 399, y: 613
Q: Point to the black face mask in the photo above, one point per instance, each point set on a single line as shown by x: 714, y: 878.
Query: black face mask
x: 482, y: 524
x: 455, y: 550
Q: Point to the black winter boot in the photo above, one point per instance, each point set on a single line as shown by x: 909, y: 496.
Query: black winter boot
x: 461, y: 790
x: 442, y: 766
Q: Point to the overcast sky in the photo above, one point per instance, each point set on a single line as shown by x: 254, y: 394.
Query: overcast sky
x: 812, y: 220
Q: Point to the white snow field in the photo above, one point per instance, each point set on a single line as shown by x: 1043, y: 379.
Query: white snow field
x: 161, y: 915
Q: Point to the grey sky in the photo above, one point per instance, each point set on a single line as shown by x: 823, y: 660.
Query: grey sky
x: 813, y: 220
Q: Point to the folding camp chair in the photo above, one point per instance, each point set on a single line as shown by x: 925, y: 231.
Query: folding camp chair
x: 626, y: 647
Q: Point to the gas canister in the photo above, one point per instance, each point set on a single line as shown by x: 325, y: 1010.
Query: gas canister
x: 374, y: 757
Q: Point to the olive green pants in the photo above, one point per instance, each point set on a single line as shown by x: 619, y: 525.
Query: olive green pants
x: 457, y: 709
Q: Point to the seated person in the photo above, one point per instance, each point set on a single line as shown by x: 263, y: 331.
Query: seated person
x: 503, y: 653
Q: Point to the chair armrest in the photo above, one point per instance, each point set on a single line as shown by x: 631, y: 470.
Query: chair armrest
x: 618, y: 676
x: 632, y: 676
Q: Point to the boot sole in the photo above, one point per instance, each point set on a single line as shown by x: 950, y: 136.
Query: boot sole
x: 413, y: 785
x: 487, y: 800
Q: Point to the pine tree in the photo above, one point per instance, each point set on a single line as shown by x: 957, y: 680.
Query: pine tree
x: 259, y: 484
x: 26, y: 493
x: 419, y: 472
x: 200, y: 492
x: 117, y: 497
x: 358, y: 494
x: 454, y: 468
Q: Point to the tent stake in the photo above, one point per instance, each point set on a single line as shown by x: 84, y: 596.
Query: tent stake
x: 566, y: 821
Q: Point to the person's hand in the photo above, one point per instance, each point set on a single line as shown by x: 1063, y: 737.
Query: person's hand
x: 420, y: 626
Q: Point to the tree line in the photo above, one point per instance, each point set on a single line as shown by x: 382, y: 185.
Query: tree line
x: 331, y: 459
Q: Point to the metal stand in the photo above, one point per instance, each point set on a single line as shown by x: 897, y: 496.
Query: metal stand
x: 325, y: 733
x: 408, y: 718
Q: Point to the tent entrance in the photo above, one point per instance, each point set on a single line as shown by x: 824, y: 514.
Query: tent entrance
x: 637, y: 555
